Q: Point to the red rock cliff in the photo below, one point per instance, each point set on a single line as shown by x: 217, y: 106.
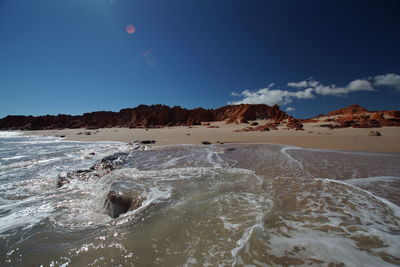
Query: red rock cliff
x: 145, y: 116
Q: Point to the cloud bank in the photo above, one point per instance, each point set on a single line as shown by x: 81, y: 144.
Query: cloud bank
x: 311, y: 88
x: 389, y: 80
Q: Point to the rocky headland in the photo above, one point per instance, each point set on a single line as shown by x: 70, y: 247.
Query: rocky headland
x: 157, y: 116
x: 146, y: 116
x: 356, y: 116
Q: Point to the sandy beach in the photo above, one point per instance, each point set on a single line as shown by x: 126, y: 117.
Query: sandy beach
x: 313, y: 136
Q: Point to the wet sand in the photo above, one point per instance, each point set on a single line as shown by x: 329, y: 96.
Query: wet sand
x: 313, y: 136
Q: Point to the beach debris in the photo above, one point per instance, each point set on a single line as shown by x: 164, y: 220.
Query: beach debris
x: 374, y: 133
x: 116, y: 203
x: 206, y: 143
x: 88, y: 133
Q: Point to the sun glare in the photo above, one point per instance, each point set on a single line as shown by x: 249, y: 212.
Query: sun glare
x: 130, y: 29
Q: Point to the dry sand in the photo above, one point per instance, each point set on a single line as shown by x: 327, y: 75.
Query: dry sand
x: 313, y: 136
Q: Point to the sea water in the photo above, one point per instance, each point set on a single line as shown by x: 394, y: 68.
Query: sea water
x: 216, y: 205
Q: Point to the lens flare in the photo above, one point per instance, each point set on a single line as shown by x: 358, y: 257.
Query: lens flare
x: 130, y: 29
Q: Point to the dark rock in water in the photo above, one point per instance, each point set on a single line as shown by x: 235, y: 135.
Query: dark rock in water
x: 117, y: 204
x: 206, y: 143
x: 146, y: 142
x: 79, y: 174
x: 92, y: 153
x: 62, y: 181
x: 104, y: 167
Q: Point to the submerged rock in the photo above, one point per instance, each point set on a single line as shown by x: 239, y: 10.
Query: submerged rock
x: 116, y: 203
x: 104, y: 167
x: 79, y: 174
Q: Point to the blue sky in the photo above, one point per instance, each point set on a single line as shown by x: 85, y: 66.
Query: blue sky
x: 75, y: 56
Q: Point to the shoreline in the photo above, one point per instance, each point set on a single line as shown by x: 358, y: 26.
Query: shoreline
x: 313, y: 136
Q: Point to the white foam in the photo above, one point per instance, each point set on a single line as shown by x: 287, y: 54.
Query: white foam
x: 284, y: 149
x: 214, y: 159
x: 8, y: 134
x: 324, y: 246
x: 349, y: 152
x: 370, y: 180
x: 26, y: 217
x: 392, y: 206
x: 21, y: 164
x: 228, y: 225
x: 242, y: 243
x: 172, y: 162
x: 14, y: 157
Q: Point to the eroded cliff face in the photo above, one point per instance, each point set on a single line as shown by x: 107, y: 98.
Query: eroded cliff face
x: 245, y: 112
x: 146, y: 116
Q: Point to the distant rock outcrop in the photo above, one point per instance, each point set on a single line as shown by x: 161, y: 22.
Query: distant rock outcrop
x: 348, y: 110
x: 145, y: 116
x: 358, y: 117
x: 245, y: 112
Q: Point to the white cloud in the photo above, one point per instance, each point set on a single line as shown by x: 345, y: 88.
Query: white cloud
x: 307, y: 89
x: 360, y: 85
x: 298, y: 84
x: 353, y: 86
x: 389, y: 79
x: 302, y: 84
x: 290, y: 109
x: 272, y: 97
